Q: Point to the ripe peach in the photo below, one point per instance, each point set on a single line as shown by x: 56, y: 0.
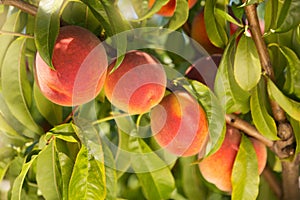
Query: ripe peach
x: 204, y: 70
x: 80, y: 63
x: 217, y: 168
x: 179, y: 124
x: 137, y: 85
x: 168, y: 9
x: 198, y: 33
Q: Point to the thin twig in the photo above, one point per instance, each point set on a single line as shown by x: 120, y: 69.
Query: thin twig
x: 22, y: 5
x: 247, y: 128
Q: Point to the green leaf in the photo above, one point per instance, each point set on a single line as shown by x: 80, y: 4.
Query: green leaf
x: 66, y: 168
x: 4, y: 165
x: 6, y: 127
x: 14, y: 23
x: 180, y: 15
x: 227, y: 90
x: 262, y: 120
x: 215, y: 31
x: 118, y: 25
x: 296, y: 128
x: 227, y: 16
x: 247, y: 70
x: 289, y: 16
x: 245, y: 177
x: 78, y: 13
x: 292, y: 82
x: 288, y: 105
x: 50, y: 111
x: 87, y: 181
x: 154, y: 9
x: 99, y: 12
x: 48, y: 175
x: 18, y: 183
x: 110, y: 174
x: 47, y: 28
x: 215, y: 115
x: 271, y: 11
x: 14, y: 79
x: 158, y: 184
x: 192, y: 184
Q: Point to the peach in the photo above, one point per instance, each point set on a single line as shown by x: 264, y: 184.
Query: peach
x: 168, y: 9
x: 204, y: 70
x: 179, y: 124
x: 198, y: 33
x: 80, y: 63
x: 137, y: 85
x: 217, y: 168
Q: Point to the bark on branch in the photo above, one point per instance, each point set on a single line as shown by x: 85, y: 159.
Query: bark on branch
x: 22, y: 5
x: 284, y: 147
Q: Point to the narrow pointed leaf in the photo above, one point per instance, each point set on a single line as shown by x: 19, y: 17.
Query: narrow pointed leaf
x: 245, y: 177
x: 227, y: 90
x: 289, y: 16
x: 86, y: 180
x: 47, y: 28
x: 180, y: 15
x: 50, y: 111
x: 288, y: 105
x: 48, y: 175
x: 154, y: 9
x: 215, y: 116
x: 262, y: 120
x: 18, y: 183
x: 66, y: 168
x: 14, y: 78
x: 247, y: 70
x: 215, y: 31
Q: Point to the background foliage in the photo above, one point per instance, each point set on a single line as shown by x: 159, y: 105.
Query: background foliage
x: 44, y: 154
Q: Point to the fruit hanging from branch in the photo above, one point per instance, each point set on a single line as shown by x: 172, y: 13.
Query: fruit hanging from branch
x: 80, y: 63
x: 137, y: 85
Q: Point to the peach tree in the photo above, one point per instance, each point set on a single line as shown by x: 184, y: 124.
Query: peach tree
x: 149, y: 99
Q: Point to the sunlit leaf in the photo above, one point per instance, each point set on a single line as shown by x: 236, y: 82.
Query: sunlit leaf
x: 48, y: 175
x: 15, y: 79
x: 66, y: 168
x: 262, y: 120
x: 18, y: 183
x: 215, y: 115
x: 245, y: 177
x: 271, y: 11
x: 215, y: 31
x: 289, y: 16
x: 154, y: 9
x: 87, y: 177
x: 288, y: 105
x: 234, y: 98
x: 247, y: 70
x: 47, y: 28
x: 180, y: 15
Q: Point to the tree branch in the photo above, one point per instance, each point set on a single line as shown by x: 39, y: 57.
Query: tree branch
x: 22, y: 5
x: 284, y: 147
x: 247, y: 128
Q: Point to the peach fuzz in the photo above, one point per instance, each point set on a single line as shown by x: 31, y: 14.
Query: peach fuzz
x: 80, y: 63
x: 137, y: 85
x: 217, y: 168
x: 198, y: 33
x: 168, y: 9
x: 179, y: 124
